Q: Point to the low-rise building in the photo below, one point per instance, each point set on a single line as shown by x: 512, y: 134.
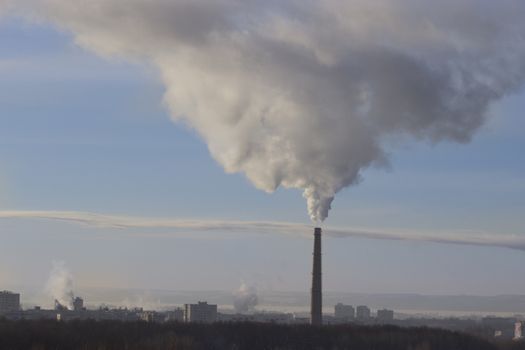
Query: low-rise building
x: 504, y: 325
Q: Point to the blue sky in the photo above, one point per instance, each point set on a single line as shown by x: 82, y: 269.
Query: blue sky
x: 89, y: 134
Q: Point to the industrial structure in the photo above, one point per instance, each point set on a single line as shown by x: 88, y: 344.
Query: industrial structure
x: 316, y: 312
x: 78, y: 304
x: 9, y: 302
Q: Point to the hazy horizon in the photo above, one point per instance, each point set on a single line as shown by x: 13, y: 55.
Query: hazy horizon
x: 170, y: 145
x: 404, y: 304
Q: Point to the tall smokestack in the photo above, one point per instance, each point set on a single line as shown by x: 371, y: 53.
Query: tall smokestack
x: 317, y: 293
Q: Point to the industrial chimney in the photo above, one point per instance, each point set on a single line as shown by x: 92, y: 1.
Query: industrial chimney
x: 317, y: 292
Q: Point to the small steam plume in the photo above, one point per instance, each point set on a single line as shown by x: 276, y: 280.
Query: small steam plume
x: 245, y: 299
x: 144, y: 301
x: 307, y: 93
x: 60, y: 285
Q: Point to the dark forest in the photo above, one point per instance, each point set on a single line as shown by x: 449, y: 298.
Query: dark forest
x: 114, y: 335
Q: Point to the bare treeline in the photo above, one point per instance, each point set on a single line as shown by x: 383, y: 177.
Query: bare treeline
x: 113, y: 335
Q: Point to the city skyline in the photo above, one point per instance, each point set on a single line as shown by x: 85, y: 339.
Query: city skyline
x: 93, y: 135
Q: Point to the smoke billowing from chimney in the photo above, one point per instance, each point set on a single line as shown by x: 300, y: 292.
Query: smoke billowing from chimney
x: 306, y: 94
x: 245, y: 299
x: 60, y: 285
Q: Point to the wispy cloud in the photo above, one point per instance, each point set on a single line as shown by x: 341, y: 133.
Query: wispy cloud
x: 268, y: 227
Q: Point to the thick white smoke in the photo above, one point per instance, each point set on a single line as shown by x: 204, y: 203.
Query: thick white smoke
x: 60, y: 284
x: 245, y: 299
x: 304, y: 93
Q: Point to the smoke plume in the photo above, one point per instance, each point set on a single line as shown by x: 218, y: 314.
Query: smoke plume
x: 307, y: 93
x: 60, y: 284
x: 245, y: 299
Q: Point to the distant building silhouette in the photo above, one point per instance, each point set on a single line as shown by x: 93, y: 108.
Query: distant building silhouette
x: 363, y: 313
x: 344, y: 312
x: 9, y: 302
x: 175, y: 315
x: 385, y: 315
x: 201, y: 312
x: 518, y: 331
